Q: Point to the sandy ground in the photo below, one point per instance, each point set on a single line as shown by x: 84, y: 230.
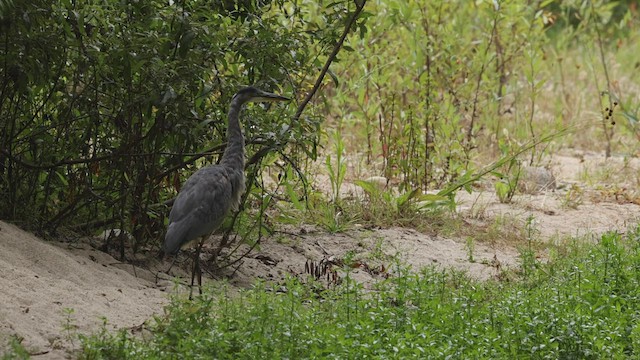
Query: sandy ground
x: 41, y: 280
x: 593, y: 195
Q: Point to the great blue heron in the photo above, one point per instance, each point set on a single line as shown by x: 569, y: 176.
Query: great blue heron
x: 211, y: 192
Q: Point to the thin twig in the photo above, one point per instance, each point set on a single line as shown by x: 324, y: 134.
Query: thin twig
x: 336, y: 48
x: 334, y: 53
x: 474, y: 112
x: 606, y: 75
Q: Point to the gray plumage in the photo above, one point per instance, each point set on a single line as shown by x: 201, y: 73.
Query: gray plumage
x: 204, y: 201
x: 211, y: 192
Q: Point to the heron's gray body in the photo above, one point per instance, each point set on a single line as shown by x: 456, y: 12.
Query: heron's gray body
x: 211, y: 192
x: 214, y: 190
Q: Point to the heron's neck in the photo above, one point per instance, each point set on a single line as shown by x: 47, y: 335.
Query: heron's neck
x: 234, y: 153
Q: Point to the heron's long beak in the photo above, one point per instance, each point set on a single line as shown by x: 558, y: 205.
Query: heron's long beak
x: 270, y: 97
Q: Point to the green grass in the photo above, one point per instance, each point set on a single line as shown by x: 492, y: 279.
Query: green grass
x: 14, y: 350
x: 581, y: 304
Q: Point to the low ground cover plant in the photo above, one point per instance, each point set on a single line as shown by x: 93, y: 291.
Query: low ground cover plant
x: 580, y: 304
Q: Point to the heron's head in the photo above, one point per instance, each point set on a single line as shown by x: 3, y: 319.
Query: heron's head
x: 251, y: 94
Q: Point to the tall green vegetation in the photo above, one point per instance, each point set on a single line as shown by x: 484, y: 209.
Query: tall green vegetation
x: 426, y: 81
x: 433, y: 84
x: 103, y: 103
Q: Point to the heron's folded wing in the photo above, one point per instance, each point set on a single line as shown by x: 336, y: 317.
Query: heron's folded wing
x: 199, y: 208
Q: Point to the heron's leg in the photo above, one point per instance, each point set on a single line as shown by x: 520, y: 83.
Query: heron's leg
x: 202, y: 241
x: 199, y: 279
x: 196, y: 265
x: 196, y: 269
x: 173, y: 262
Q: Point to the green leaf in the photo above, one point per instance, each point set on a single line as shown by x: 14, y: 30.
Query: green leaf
x: 293, y: 196
x: 334, y: 77
x: 404, y: 198
x: 62, y: 178
x: 369, y: 187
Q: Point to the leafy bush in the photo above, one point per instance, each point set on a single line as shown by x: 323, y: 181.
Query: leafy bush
x: 104, y: 103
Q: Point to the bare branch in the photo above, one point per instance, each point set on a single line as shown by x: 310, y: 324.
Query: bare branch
x: 336, y: 48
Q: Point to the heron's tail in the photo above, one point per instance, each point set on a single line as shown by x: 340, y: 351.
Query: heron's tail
x: 174, y: 239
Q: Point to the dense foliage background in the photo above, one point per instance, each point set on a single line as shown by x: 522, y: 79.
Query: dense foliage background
x: 103, y: 104
x: 106, y: 106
